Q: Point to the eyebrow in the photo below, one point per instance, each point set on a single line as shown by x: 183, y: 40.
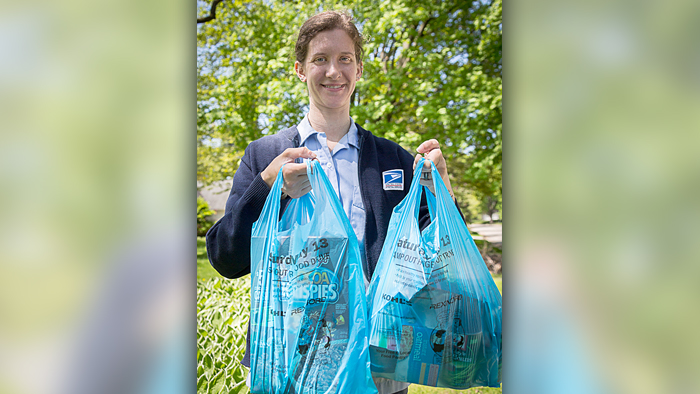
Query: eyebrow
x: 325, y: 54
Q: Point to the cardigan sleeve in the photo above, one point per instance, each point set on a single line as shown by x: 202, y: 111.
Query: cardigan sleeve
x: 228, y: 241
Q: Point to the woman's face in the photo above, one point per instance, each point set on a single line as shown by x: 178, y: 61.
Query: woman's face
x: 330, y: 70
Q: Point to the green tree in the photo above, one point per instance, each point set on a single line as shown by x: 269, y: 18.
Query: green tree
x: 431, y: 70
x: 245, y: 84
x: 434, y: 71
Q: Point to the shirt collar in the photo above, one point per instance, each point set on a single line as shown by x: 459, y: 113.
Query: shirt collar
x: 306, y: 131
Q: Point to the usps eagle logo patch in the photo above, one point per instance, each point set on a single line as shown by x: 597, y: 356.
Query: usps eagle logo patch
x: 393, y: 179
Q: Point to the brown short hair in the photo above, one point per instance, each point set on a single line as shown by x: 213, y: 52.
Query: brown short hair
x: 325, y: 21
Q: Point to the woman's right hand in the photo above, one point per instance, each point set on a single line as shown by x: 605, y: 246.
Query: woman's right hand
x: 296, y: 182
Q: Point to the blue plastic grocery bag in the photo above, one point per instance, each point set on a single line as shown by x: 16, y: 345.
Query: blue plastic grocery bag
x: 308, y: 310
x: 435, y: 311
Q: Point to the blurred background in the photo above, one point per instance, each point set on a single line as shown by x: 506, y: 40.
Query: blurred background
x: 602, y: 172
x: 99, y: 159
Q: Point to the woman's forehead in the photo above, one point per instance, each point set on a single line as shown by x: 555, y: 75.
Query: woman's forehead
x: 334, y: 40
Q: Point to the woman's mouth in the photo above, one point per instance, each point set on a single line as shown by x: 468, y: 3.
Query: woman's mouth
x: 333, y: 87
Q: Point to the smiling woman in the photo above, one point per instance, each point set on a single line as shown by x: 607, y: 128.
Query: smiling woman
x: 370, y: 175
x: 330, y: 72
x: 329, y: 59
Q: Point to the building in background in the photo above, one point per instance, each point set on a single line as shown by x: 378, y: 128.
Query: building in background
x: 215, y: 195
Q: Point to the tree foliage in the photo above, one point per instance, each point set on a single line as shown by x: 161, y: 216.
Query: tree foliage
x: 431, y: 70
x: 203, y: 213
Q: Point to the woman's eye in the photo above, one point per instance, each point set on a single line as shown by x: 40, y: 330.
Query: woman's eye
x: 320, y: 59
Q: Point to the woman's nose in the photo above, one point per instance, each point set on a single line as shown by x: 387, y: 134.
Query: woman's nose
x: 333, y: 71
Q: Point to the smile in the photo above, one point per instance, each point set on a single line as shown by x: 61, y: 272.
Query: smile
x: 334, y: 87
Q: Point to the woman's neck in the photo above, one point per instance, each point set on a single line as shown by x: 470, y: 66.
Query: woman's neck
x: 335, y: 124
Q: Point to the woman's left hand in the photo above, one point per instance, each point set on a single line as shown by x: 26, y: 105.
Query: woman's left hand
x: 431, y: 150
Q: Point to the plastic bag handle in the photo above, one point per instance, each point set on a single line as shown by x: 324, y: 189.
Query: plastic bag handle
x: 415, y: 191
x: 446, y: 207
x: 322, y: 188
x: 272, y: 205
x: 430, y: 197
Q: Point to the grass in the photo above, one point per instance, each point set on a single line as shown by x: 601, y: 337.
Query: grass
x: 204, y: 269
x: 205, y: 272
x: 416, y: 389
x: 498, y: 278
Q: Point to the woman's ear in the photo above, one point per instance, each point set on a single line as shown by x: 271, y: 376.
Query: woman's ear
x: 300, y: 71
x: 359, y: 71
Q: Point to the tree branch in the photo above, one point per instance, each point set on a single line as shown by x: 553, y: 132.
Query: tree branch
x: 387, y: 51
x: 212, y: 13
x: 408, y: 44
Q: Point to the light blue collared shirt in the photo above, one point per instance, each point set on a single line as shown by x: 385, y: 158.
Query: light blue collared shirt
x: 340, y: 166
